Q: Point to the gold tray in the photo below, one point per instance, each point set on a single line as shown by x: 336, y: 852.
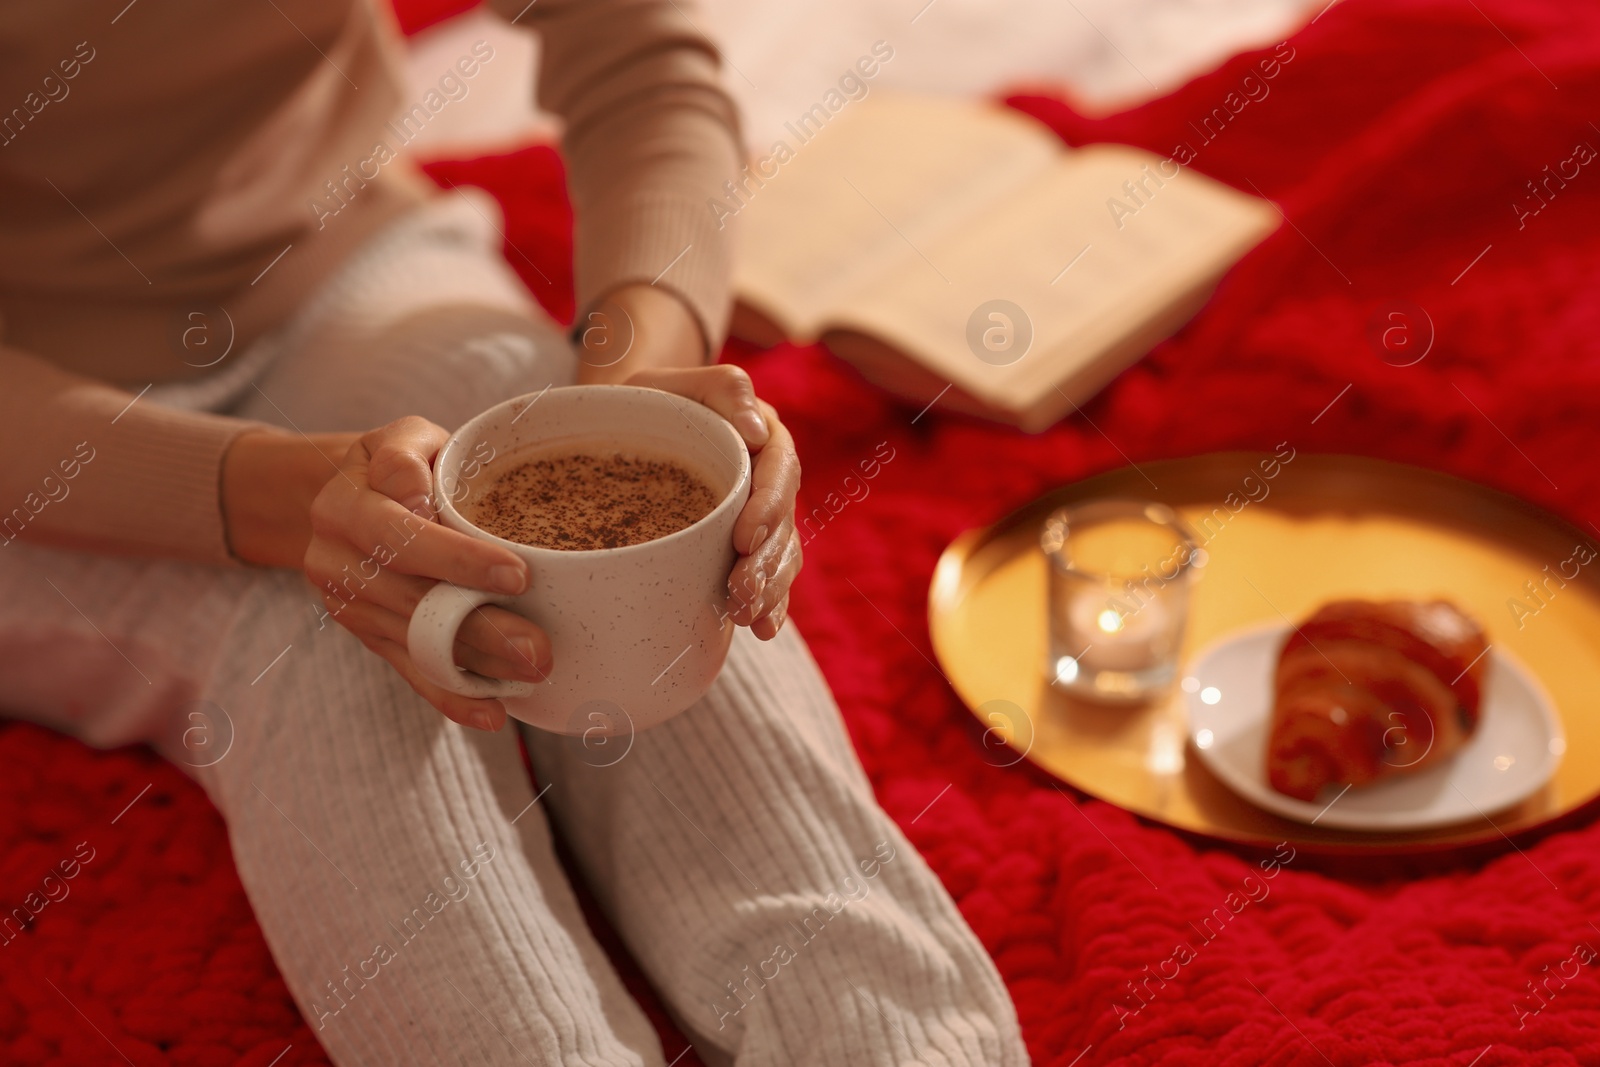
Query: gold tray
x: 1326, y: 526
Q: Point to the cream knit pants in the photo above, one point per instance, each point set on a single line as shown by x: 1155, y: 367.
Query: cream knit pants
x: 401, y: 867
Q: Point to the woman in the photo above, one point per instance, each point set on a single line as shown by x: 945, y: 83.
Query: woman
x: 237, y: 328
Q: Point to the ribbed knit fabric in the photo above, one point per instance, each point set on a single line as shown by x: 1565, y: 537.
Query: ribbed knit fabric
x: 180, y: 203
x: 401, y: 867
x: 127, y: 438
x: 781, y: 913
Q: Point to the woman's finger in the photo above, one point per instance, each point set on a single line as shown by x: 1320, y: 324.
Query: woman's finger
x: 399, y: 459
x: 396, y: 539
x: 365, y: 619
x: 505, y: 635
x: 487, y: 715
x: 369, y: 620
x: 775, y: 598
x: 392, y: 523
x: 774, y: 482
x: 490, y: 666
x: 723, y: 388
x: 782, y: 576
x: 757, y: 581
x: 337, y: 571
x: 767, y: 627
x: 774, y: 612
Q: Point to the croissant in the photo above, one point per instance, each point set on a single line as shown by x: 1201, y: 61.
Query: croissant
x: 1368, y: 689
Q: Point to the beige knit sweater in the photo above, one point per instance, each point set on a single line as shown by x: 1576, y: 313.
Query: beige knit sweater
x: 163, y: 158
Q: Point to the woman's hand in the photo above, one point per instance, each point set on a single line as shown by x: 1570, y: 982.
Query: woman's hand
x: 644, y: 335
x: 764, y: 534
x: 373, y: 549
x: 376, y: 550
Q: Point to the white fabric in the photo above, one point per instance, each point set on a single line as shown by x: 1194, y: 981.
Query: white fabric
x: 402, y: 868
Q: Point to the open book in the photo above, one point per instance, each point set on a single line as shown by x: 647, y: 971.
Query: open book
x: 936, y: 243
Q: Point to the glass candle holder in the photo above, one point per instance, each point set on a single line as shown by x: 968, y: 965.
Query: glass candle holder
x: 1120, y: 572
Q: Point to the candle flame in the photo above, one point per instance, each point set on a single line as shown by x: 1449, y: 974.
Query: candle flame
x: 1109, y: 620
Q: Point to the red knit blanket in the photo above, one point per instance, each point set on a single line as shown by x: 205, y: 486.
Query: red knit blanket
x: 1401, y: 139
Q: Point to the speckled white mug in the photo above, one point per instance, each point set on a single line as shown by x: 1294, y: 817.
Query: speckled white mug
x: 637, y: 633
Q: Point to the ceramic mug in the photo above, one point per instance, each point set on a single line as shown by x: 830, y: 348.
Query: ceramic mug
x: 637, y: 633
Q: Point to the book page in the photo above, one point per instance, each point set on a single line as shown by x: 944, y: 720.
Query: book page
x: 858, y: 195
x: 1084, y: 257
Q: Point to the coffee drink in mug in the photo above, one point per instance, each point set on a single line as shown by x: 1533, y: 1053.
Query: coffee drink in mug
x: 622, y: 502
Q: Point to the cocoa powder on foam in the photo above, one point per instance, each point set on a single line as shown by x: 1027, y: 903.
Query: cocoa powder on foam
x: 591, y: 499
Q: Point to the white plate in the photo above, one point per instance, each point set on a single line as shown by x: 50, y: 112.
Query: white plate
x: 1518, y: 743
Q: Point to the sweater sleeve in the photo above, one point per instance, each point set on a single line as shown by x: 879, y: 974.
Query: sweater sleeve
x: 650, y: 139
x: 90, y: 467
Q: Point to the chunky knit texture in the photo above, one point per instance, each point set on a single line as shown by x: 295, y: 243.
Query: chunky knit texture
x: 1398, y: 140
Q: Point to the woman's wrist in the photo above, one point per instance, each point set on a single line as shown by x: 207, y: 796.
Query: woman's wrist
x: 638, y: 327
x: 269, y: 479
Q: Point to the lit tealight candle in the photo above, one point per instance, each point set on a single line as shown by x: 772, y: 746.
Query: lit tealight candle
x: 1119, y: 636
x: 1119, y: 576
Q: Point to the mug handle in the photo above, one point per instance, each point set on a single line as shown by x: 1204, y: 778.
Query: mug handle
x: 431, y: 640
